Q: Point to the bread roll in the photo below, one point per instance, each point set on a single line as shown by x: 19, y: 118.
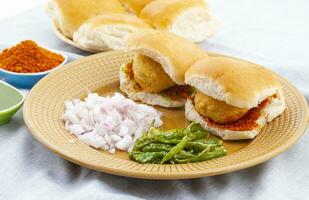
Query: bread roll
x: 108, y: 31
x: 239, y: 84
x: 190, y: 19
x: 68, y: 15
x: 171, y: 52
x: 135, y: 6
x: 174, y: 53
x: 235, y: 82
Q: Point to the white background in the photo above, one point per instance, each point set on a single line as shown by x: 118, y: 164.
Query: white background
x: 10, y: 8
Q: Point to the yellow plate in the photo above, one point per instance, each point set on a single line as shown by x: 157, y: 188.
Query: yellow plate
x: 44, y: 106
x: 71, y: 42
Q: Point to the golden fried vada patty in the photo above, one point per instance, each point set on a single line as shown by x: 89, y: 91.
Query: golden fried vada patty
x: 150, y: 75
x: 218, y: 111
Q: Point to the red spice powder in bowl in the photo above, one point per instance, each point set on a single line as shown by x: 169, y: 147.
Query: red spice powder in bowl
x: 28, y: 57
x: 26, y: 63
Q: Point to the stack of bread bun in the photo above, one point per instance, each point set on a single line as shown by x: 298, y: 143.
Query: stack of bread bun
x: 231, y: 98
x: 105, y: 24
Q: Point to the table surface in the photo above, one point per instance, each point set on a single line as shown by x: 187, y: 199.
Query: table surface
x: 271, y: 33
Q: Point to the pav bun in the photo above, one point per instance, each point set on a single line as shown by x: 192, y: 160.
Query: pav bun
x: 190, y: 19
x: 156, y: 74
x: 251, y: 93
x: 108, y: 31
x: 235, y: 82
x: 68, y: 15
x: 174, y: 53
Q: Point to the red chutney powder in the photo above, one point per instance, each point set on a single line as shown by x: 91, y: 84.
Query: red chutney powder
x: 130, y: 72
x: 28, y: 57
x: 246, y: 123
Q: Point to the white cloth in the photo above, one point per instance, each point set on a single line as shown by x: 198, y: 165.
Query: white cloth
x: 272, y: 33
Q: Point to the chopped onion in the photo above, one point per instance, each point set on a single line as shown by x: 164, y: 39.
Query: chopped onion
x: 109, y: 123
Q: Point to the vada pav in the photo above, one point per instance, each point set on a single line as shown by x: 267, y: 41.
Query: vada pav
x: 155, y: 75
x: 233, y: 99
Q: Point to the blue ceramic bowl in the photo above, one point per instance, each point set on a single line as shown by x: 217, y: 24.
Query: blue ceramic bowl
x: 27, y: 80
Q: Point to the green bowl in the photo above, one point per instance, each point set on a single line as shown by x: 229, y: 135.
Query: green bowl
x: 11, y: 100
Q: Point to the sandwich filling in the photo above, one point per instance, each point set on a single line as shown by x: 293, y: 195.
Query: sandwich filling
x: 150, y: 75
x: 218, y: 111
x: 147, y: 75
x: 223, y: 116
